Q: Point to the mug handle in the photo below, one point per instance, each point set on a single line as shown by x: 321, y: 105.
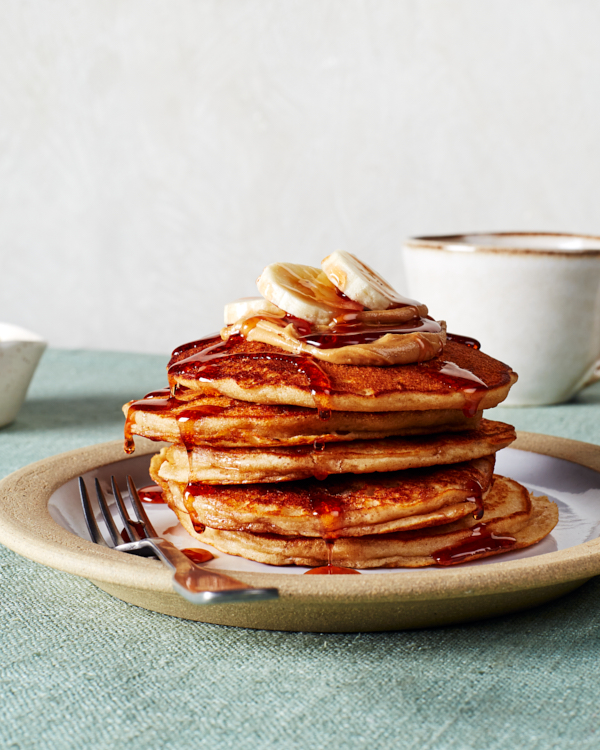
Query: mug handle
x: 589, y: 377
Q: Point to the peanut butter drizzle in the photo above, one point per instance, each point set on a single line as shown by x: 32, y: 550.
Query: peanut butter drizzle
x: 368, y: 338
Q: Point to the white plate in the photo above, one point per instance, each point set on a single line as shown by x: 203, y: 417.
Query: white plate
x: 40, y: 518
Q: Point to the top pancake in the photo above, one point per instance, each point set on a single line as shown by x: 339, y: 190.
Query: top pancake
x: 252, y: 371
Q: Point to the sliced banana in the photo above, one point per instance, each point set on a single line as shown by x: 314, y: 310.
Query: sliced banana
x: 361, y: 283
x: 304, y: 292
x: 241, y: 308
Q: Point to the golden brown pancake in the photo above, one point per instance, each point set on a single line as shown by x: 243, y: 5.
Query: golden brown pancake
x: 341, y: 505
x: 251, y: 465
x: 224, y: 422
x: 252, y: 371
x: 510, y: 512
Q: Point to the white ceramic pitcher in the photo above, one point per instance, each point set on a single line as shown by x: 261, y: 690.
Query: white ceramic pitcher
x: 20, y: 352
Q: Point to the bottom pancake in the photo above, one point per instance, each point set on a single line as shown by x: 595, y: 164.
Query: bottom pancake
x: 512, y: 520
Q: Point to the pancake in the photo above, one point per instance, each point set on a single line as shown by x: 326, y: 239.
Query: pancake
x: 341, y: 505
x: 227, y: 423
x: 251, y: 465
x: 510, y: 512
x: 462, y: 377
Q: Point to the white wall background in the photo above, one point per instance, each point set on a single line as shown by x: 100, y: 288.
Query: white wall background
x: 154, y: 156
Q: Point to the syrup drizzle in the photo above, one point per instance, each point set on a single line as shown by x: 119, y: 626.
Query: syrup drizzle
x: 203, y: 366
x: 166, y: 400
x: 353, y: 333
x: 323, y: 292
x: 157, y: 402
x: 212, y: 348
x: 466, y: 340
x: 330, y: 510
x: 192, y: 491
x: 476, y: 496
x: 318, y: 447
x: 214, y: 337
x: 457, y: 378
x: 197, y: 555
x: 480, y: 541
x: 330, y: 569
x: 186, y: 421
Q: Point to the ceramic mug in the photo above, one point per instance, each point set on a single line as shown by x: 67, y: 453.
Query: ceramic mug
x: 20, y: 352
x: 531, y: 299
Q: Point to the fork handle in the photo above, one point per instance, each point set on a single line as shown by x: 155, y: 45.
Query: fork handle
x: 196, y: 584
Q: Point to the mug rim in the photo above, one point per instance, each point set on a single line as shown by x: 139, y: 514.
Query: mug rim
x: 467, y: 242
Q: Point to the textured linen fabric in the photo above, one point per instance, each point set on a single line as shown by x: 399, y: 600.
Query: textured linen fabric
x: 80, y: 669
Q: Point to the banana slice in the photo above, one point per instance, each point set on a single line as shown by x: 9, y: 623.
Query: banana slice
x: 303, y: 291
x: 245, y: 306
x: 362, y: 284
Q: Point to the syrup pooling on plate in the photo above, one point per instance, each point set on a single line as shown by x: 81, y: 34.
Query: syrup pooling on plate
x: 151, y: 494
x: 331, y: 570
x: 481, y: 541
x: 197, y: 555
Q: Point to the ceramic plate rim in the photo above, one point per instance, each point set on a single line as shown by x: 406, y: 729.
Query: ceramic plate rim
x: 27, y: 528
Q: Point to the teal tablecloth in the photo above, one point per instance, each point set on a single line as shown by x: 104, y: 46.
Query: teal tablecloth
x: 80, y: 669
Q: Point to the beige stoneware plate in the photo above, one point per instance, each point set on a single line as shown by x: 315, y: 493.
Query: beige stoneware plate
x: 38, y: 519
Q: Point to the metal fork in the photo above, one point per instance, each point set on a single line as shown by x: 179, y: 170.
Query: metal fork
x: 194, y: 583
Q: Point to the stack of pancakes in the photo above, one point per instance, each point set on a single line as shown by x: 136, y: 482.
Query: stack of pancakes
x: 288, y: 461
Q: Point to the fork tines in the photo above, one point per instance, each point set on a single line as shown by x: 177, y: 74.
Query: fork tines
x: 133, y: 529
